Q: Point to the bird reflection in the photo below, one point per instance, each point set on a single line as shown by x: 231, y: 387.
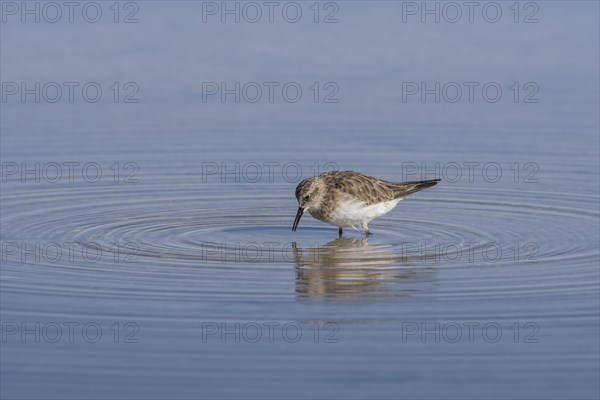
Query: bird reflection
x: 352, y: 268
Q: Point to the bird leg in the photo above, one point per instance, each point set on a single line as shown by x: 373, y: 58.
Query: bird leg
x: 340, y: 231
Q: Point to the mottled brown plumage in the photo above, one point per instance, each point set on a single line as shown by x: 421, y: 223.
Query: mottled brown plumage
x: 349, y: 198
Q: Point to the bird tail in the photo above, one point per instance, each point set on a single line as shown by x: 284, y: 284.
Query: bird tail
x: 403, y: 189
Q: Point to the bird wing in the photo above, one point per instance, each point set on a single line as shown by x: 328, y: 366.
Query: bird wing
x: 357, y: 186
x: 402, y: 189
x: 371, y: 190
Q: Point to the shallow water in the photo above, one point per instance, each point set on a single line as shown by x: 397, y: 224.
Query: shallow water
x: 175, y: 273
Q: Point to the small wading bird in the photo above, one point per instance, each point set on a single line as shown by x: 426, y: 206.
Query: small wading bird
x: 349, y: 199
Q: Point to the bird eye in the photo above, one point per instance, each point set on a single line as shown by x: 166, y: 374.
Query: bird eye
x: 306, y: 198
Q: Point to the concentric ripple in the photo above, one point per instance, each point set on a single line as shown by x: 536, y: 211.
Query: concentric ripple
x: 165, y: 233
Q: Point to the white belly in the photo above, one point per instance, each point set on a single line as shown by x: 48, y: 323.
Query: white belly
x: 354, y: 215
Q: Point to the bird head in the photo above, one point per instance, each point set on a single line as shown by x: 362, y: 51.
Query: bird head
x: 309, y: 193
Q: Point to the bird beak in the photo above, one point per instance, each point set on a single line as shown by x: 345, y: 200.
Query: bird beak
x: 297, y: 220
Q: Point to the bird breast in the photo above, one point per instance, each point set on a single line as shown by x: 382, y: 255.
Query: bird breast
x: 353, y: 214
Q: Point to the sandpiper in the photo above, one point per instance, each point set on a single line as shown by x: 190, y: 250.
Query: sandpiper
x: 349, y: 199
